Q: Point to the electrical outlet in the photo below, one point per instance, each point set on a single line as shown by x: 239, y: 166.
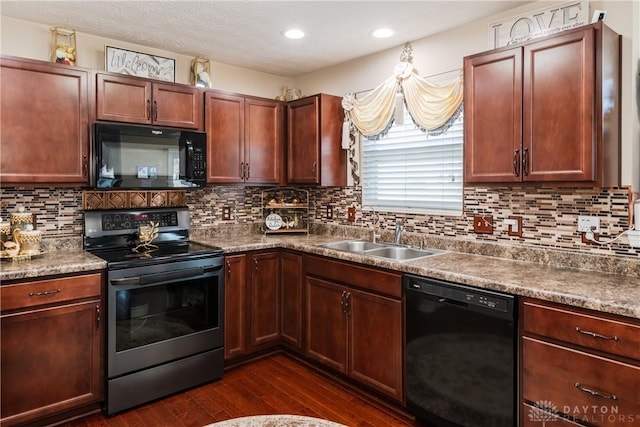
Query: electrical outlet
x: 226, y: 213
x: 589, y: 223
x: 329, y: 212
x: 483, y: 224
x: 514, y: 223
x: 351, y: 213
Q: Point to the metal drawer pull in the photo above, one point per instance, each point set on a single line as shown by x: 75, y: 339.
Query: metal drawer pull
x: 595, y: 393
x: 595, y: 335
x: 40, y: 294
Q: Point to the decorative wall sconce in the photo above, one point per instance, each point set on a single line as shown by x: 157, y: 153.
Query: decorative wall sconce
x: 63, y: 46
x: 200, y: 74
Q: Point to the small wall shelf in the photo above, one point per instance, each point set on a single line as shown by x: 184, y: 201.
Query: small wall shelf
x: 285, y: 210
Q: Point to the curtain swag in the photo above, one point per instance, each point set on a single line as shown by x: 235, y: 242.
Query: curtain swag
x: 432, y: 107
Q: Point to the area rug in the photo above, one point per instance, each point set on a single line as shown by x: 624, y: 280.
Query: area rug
x: 276, y: 421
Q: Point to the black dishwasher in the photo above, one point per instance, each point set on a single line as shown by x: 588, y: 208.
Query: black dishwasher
x: 461, y: 354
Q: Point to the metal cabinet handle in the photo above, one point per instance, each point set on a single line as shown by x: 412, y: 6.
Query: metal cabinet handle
x: 343, y: 301
x: 242, y: 170
x: 148, y: 109
x: 596, y: 335
x: 248, y: 171
x: 595, y: 392
x: 313, y: 167
x: 228, y: 270
x: 44, y: 293
x: 525, y: 162
x: 97, y: 316
x: 516, y: 163
x: 155, y: 110
x: 255, y: 266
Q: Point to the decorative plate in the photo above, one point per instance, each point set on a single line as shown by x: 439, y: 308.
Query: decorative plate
x: 273, y: 221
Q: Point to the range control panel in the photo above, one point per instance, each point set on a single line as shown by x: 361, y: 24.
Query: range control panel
x: 127, y: 221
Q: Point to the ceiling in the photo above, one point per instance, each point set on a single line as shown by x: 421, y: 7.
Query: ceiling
x: 247, y: 34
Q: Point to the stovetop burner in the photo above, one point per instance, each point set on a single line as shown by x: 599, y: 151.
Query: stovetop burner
x: 126, y: 257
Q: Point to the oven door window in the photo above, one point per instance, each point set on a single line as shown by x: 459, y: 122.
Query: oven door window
x: 161, y: 312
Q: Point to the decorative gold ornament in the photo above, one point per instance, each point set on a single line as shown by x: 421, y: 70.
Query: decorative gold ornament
x: 200, y: 74
x: 63, y: 46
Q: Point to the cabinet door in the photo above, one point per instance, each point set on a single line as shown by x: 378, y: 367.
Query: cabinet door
x: 264, y: 298
x: 291, y: 297
x: 326, y: 323
x: 51, y: 361
x: 177, y: 106
x: 303, y: 143
x: 44, y: 122
x: 263, y: 150
x: 493, y: 117
x: 123, y: 99
x: 559, y: 109
x: 235, y: 303
x: 375, y: 331
x: 225, y: 138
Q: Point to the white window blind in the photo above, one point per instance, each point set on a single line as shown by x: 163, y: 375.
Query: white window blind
x: 410, y: 171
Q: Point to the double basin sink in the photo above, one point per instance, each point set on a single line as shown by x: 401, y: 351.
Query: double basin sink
x: 382, y: 250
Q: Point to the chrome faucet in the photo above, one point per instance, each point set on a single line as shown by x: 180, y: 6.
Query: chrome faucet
x: 398, y: 232
x: 375, y: 221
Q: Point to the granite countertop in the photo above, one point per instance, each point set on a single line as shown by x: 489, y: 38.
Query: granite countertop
x: 605, y: 292
x: 49, y: 264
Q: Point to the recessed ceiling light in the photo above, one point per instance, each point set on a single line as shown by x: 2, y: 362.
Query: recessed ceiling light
x: 294, y: 34
x: 382, y: 33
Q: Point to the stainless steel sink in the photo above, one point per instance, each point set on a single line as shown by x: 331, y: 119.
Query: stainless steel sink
x: 356, y: 246
x: 400, y: 253
x: 381, y: 250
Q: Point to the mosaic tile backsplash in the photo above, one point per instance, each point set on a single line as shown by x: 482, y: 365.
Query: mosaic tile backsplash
x: 549, y: 215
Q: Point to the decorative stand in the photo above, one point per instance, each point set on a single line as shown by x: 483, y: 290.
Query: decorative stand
x: 285, y: 210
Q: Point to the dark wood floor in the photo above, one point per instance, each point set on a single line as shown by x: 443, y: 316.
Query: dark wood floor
x: 274, y: 385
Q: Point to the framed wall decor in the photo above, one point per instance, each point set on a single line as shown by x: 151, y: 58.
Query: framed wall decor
x: 139, y: 64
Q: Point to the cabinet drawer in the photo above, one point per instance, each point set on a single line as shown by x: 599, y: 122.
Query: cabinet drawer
x: 357, y: 276
x: 581, y: 328
x: 30, y: 294
x: 580, y: 384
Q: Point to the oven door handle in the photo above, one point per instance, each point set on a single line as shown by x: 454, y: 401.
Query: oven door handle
x: 159, y: 277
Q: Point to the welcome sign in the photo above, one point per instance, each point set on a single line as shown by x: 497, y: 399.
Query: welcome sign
x: 538, y: 23
x: 139, y: 64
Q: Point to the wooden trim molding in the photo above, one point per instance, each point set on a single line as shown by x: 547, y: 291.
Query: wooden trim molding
x: 97, y: 200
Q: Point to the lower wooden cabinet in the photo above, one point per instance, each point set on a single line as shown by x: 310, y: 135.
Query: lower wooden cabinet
x: 264, y: 297
x: 351, y: 329
x: 291, y: 300
x: 582, y: 364
x: 235, y: 305
x: 51, y: 347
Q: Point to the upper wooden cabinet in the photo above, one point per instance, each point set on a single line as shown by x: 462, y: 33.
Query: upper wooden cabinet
x: 545, y: 111
x: 136, y: 100
x: 244, y: 142
x: 315, y: 154
x: 45, y: 122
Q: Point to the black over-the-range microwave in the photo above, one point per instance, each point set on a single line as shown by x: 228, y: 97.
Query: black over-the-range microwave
x: 137, y: 157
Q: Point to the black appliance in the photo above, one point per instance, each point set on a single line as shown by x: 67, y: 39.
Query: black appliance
x: 165, y: 305
x: 461, y: 354
x: 139, y: 157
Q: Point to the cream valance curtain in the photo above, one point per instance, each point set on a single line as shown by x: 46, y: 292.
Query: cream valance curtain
x: 432, y: 107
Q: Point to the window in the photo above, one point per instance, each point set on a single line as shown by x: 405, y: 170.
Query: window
x: 408, y: 170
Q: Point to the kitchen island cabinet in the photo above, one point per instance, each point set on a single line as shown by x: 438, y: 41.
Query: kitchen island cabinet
x: 51, y: 348
x: 315, y: 154
x: 136, y: 100
x: 45, y: 123
x: 595, y: 375
x: 545, y: 111
x: 244, y: 139
x: 353, y: 318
